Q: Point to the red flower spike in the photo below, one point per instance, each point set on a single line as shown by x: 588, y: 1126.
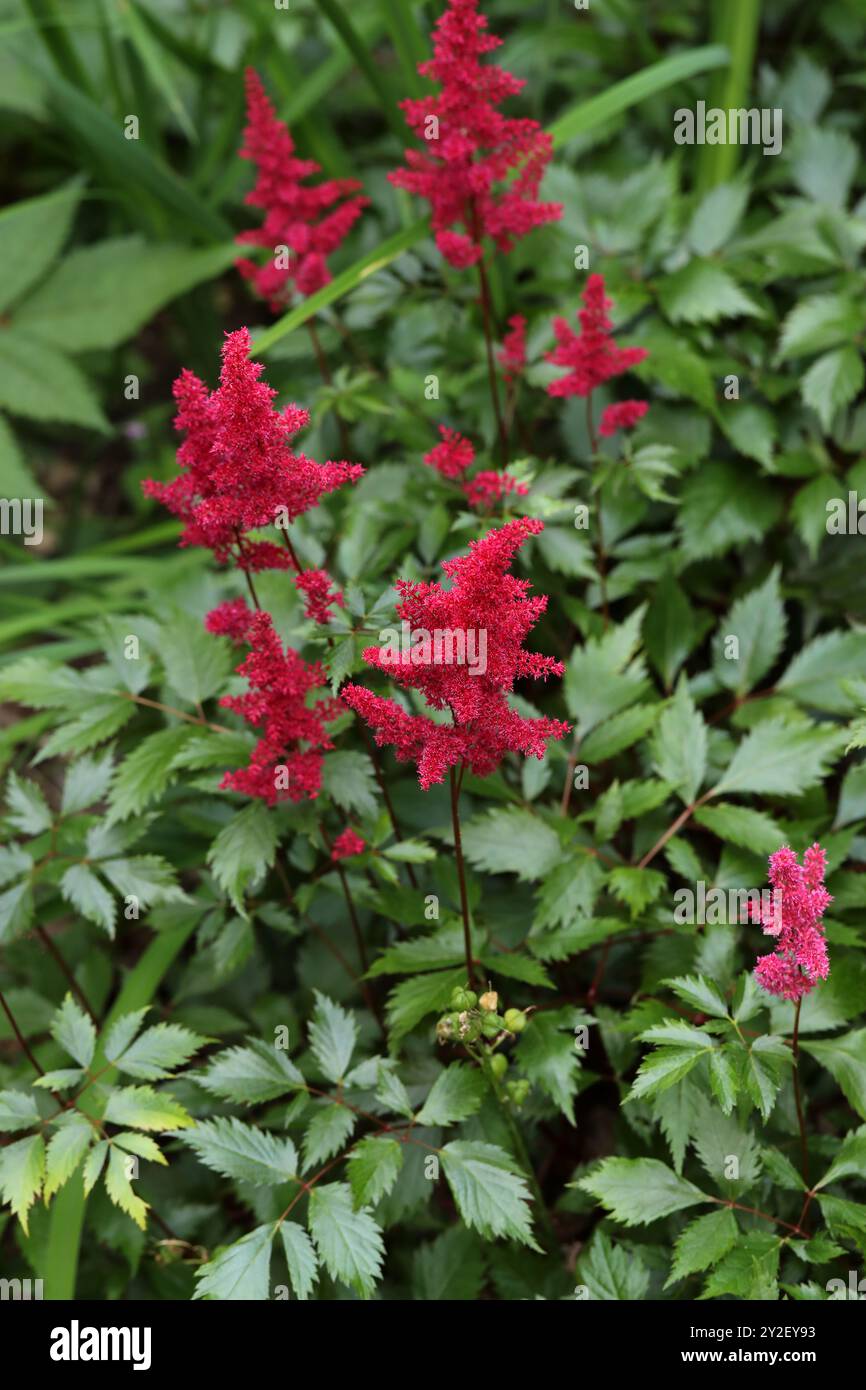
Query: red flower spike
x: 470, y: 656
x: 230, y: 619
x: 286, y: 763
x: 453, y: 456
x: 296, y: 216
x: 800, y: 899
x: 319, y: 597
x: 591, y: 356
x: 238, y: 469
x: 346, y: 845
x: 470, y: 147
x: 488, y: 488
x: 623, y: 416
x: 512, y: 354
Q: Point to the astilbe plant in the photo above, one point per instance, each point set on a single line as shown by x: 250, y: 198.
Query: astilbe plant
x: 310, y: 220
x: 479, y: 169
x: 287, y: 760
x: 239, y: 472
x: 510, y: 1070
x: 453, y: 457
x: 487, y: 614
x: 800, y: 957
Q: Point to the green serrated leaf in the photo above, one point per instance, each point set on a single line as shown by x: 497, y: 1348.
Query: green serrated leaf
x: 638, y: 1191
x: 489, y: 1189
x: 238, y: 1150
x: 349, y: 1242
x: 374, y: 1166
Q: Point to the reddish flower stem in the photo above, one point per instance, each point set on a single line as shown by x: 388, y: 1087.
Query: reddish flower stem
x: 461, y: 873
x: 66, y: 971
x: 170, y: 709
x: 600, y: 552
x: 325, y: 372
x: 487, y: 317
x: 20, y: 1038
x: 247, y: 576
x: 291, y: 549
x: 389, y: 805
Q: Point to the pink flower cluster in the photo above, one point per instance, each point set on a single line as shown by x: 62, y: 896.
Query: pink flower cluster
x: 485, y: 602
x: 470, y: 147
x: 286, y: 763
x: 239, y: 473
x: 800, y: 959
x: 346, y: 845
x: 512, y: 354
x: 238, y: 469
x: 296, y: 216
x: 592, y: 358
x: 455, y: 456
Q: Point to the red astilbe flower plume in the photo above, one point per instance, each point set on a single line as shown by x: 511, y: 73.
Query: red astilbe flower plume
x: 346, y: 845
x: 593, y: 357
x: 319, y: 597
x: 286, y: 763
x: 488, y: 488
x: 238, y: 468
x: 800, y: 959
x: 296, y: 216
x: 230, y: 619
x: 453, y: 456
x: 623, y: 416
x: 486, y: 614
x: 512, y: 354
x: 474, y: 147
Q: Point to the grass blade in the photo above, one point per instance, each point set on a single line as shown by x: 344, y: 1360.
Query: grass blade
x: 637, y: 88
x: 736, y: 24
x: 409, y: 44
x: 347, y: 280
x: 58, y: 43
x: 155, y: 64
x: 336, y: 15
x: 130, y: 164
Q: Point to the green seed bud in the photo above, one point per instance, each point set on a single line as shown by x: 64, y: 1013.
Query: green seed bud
x: 515, y: 1020
x: 499, y: 1065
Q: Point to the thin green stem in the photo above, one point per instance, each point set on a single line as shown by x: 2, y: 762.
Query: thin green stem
x: 521, y: 1152
x: 487, y: 318
x: 801, y: 1118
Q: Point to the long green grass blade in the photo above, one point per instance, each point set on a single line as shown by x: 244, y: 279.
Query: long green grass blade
x: 632, y: 90
x: 736, y: 24
x: 342, y: 284
x: 154, y: 61
x: 336, y: 15
x: 54, y: 35
x: 130, y: 164
x: 409, y: 43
